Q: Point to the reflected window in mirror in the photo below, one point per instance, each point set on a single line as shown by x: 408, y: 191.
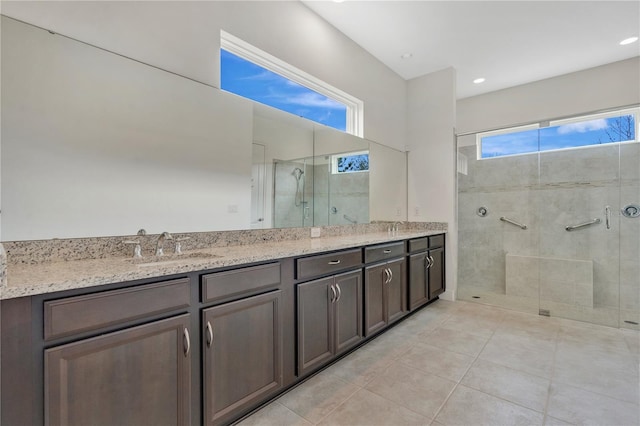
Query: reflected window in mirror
x: 249, y: 72
x: 350, y: 162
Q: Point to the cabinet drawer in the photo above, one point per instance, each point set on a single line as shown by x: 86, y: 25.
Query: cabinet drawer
x: 425, y: 243
x: 313, y: 266
x: 436, y: 241
x: 73, y: 315
x: 240, y: 282
x: 418, y: 244
x: 383, y: 252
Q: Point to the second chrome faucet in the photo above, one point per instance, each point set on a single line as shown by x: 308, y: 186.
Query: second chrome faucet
x: 160, y: 243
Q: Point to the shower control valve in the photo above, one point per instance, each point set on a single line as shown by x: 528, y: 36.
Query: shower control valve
x: 631, y: 210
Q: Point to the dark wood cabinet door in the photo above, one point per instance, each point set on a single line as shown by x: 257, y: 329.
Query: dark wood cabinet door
x: 375, y: 309
x: 242, y: 363
x: 138, y: 376
x: 348, y: 311
x: 396, y: 294
x: 436, y: 273
x: 315, y: 324
x: 418, y: 276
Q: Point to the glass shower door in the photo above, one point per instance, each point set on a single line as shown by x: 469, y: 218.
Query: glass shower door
x: 579, y: 195
x: 629, y: 235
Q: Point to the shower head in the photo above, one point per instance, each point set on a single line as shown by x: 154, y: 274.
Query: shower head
x: 297, y: 172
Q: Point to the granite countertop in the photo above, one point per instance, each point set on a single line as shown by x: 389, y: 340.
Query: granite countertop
x: 27, y: 280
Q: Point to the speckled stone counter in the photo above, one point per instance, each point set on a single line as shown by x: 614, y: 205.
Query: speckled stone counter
x: 27, y: 279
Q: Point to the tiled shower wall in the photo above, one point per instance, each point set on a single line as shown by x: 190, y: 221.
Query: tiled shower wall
x: 285, y: 212
x: 547, y: 192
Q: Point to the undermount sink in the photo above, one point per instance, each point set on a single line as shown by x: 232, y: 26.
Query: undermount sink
x: 169, y: 259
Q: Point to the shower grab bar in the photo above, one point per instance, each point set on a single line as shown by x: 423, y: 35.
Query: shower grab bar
x: 350, y: 219
x: 513, y: 222
x: 582, y: 225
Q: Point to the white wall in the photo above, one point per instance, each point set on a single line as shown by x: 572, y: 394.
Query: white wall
x: 606, y: 86
x: 387, y: 183
x: 96, y: 144
x: 432, y: 156
x: 184, y: 37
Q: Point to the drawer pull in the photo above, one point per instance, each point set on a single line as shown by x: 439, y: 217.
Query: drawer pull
x: 209, y: 334
x: 387, y: 251
x: 187, y: 342
x: 334, y: 262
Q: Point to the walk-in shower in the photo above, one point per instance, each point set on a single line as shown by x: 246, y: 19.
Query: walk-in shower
x: 550, y: 231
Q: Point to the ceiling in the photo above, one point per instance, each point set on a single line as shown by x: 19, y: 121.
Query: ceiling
x: 506, y: 42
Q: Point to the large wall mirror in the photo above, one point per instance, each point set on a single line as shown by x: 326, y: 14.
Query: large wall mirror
x: 95, y: 144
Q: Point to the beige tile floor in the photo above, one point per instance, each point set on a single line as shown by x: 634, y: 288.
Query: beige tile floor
x: 461, y: 363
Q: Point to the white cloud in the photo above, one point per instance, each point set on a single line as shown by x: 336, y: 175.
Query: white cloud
x: 582, y: 127
x: 312, y: 100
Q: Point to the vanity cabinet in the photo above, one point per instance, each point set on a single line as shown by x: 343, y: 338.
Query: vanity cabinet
x: 136, y: 375
x: 384, y: 293
x: 241, y: 339
x: 329, y: 314
x: 205, y: 347
x: 242, y: 355
x: 426, y: 270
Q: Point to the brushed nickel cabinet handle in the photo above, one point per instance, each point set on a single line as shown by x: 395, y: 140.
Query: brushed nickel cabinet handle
x: 209, y: 334
x: 386, y: 272
x: 339, y: 292
x: 387, y: 251
x: 334, y: 262
x: 390, y: 275
x: 187, y: 342
x: 334, y: 295
x: 433, y: 262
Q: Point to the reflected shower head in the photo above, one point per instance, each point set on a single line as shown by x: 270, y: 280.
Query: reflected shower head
x: 297, y: 172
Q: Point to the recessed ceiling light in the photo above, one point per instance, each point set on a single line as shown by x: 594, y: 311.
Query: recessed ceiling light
x: 479, y: 80
x: 628, y: 40
x: 406, y: 55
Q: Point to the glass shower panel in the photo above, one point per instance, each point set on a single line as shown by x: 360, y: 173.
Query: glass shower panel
x: 579, y: 193
x: 496, y: 263
x: 629, y: 236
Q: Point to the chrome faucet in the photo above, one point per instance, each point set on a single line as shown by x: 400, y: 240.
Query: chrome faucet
x: 396, y: 227
x: 164, y: 236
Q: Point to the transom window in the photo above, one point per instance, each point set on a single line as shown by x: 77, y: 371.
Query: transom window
x: 596, y: 129
x: 249, y: 72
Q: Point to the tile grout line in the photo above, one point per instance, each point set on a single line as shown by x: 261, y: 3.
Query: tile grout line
x: 435, y: 416
x: 553, y: 373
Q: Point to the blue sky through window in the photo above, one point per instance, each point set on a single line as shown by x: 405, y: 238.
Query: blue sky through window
x: 571, y: 135
x: 244, y: 78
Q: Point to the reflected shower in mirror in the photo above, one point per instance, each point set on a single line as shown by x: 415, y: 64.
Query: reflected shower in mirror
x: 293, y: 194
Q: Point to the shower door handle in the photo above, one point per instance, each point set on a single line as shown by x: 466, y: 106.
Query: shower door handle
x: 607, y: 216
